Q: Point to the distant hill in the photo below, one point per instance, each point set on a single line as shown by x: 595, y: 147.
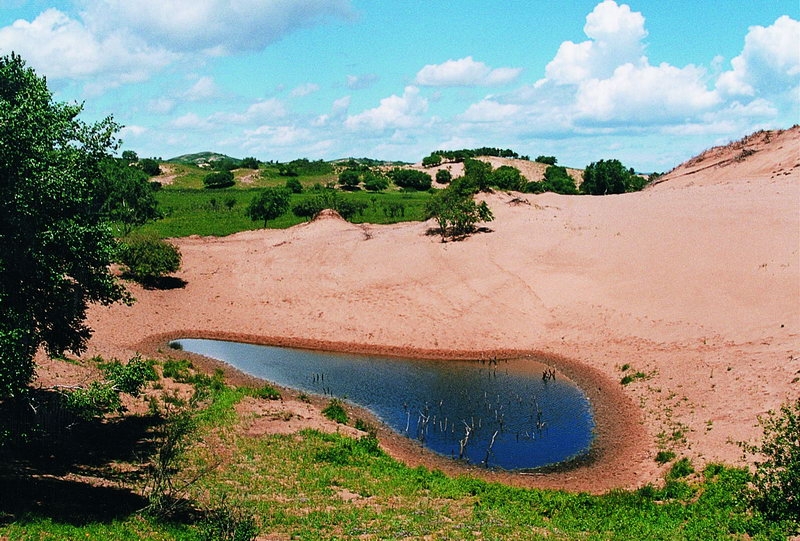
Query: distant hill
x: 201, y: 158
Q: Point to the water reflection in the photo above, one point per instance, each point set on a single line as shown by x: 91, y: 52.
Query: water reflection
x: 506, y: 414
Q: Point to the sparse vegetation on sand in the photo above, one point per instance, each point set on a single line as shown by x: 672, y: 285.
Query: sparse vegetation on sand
x: 194, y: 474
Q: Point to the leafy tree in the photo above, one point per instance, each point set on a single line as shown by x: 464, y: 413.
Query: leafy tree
x: 147, y: 258
x: 456, y: 211
x: 124, y: 194
x: 411, y: 178
x: 130, y: 156
x: 444, y: 176
x: 225, y: 164
x: 349, y: 179
x: 150, y: 166
x: 556, y: 179
x: 250, y: 163
x: 610, y: 177
x: 375, y: 182
x: 56, y: 250
x: 431, y: 161
x: 269, y: 204
x: 549, y: 160
x: 218, y: 179
x: 479, y: 172
x: 293, y: 185
x: 506, y: 177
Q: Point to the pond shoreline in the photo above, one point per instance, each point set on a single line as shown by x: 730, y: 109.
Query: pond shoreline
x: 620, y: 437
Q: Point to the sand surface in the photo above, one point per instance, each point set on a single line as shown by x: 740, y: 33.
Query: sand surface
x: 694, y: 282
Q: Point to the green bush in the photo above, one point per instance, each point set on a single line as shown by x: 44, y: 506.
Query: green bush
x: 267, y: 392
x: 335, y: 411
x: 681, y: 468
x: 664, y: 456
x: 131, y: 377
x: 95, y: 400
x: 178, y: 370
x: 776, y: 482
x: 218, y: 179
x: 146, y: 258
x: 294, y: 185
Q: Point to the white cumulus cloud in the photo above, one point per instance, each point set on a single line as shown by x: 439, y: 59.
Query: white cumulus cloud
x: 64, y: 48
x: 393, y: 112
x: 648, y: 94
x: 465, y: 72
x: 770, y: 61
x: 218, y: 26
x: 616, y: 35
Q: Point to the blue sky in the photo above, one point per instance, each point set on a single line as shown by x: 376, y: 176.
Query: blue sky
x: 649, y: 82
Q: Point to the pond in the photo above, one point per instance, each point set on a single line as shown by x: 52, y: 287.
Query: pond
x: 509, y: 414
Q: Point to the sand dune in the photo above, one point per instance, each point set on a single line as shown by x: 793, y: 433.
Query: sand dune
x: 694, y: 282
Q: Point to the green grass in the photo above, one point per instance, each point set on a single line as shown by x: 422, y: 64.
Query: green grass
x: 313, y: 485
x: 206, y: 212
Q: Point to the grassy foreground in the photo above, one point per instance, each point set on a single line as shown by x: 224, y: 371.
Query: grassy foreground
x: 313, y: 485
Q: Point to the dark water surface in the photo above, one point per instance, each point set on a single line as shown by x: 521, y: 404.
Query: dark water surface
x: 497, y: 413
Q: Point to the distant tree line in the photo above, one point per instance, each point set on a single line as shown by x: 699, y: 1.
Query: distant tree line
x: 438, y: 157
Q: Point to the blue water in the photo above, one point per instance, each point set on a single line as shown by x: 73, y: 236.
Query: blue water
x: 514, y: 419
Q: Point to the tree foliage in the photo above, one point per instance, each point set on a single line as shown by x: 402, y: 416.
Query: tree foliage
x: 250, y: 163
x: 610, y: 177
x: 218, y: 179
x: 269, y: 204
x: 455, y: 210
x: 349, y: 179
x: 56, y: 249
x: 777, y: 477
x: 375, y: 182
x: 444, y: 176
x: 147, y: 258
x: 556, y: 180
x: 125, y: 195
x: 507, y: 177
x: 431, y: 161
x: 479, y: 173
x: 150, y: 166
x: 549, y: 160
x: 411, y: 179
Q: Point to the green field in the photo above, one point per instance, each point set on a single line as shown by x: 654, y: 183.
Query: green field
x: 199, y: 211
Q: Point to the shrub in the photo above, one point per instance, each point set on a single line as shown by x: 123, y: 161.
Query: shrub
x: 218, y: 179
x: 95, y: 400
x: 178, y: 370
x: 294, y: 185
x: 131, y: 377
x: 375, y: 182
x: 444, y: 176
x: 147, y: 258
x: 776, y: 482
x: 662, y: 457
x: 228, y: 523
x: 150, y: 166
x: 455, y: 210
x: 411, y: 179
x: 267, y: 392
x: 335, y: 411
x: 681, y: 468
